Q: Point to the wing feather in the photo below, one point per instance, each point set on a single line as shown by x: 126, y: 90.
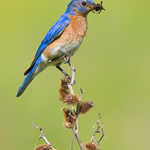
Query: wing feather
x: 54, y: 32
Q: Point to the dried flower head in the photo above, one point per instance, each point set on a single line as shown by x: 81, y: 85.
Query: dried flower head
x: 85, y: 106
x: 68, y: 98
x: 91, y: 146
x: 64, y: 83
x: 68, y: 125
x: 43, y: 147
x: 63, y: 93
x: 71, y: 99
x: 69, y: 118
x: 64, y: 90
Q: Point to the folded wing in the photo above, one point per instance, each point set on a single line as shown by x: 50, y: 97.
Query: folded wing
x: 54, y: 33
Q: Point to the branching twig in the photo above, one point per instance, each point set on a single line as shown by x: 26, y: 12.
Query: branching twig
x: 71, y: 116
x: 72, y: 142
x: 76, y: 134
x: 43, y: 137
x: 99, y: 129
x: 81, y: 93
x: 76, y: 126
x: 102, y: 136
x: 70, y: 84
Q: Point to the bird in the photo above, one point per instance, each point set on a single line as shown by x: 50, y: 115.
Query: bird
x: 61, y: 41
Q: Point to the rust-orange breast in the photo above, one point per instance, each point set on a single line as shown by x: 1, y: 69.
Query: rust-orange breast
x: 73, y: 33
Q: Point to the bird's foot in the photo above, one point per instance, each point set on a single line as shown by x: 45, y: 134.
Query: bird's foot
x: 67, y: 60
x: 67, y: 76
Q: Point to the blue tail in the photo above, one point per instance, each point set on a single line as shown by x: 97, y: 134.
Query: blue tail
x: 30, y: 76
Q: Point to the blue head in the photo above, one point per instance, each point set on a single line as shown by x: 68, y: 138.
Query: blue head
x: 81, y: 6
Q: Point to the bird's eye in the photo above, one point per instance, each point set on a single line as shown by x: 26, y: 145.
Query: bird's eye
x: 83, y: 3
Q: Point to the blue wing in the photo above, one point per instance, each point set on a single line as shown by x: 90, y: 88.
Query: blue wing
x: 54, y: 32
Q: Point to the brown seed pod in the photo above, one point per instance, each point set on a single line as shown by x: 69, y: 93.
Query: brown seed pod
x: 64, y: 83
x: 91, y: 146
x: 71, y: 99
x: 68, y: 98
x: 43, y: 147
x: 63, y: 93
x: 69, y: 125
x: 69, y: 118
x: 64, y: 90
x: 85, y: 106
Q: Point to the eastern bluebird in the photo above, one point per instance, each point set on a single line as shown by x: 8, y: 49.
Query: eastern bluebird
x: 62, y: 40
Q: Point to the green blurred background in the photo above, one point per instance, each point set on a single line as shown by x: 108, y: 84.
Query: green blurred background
x: 113, y: 67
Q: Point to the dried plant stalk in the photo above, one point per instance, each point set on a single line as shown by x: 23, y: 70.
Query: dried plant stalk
x: 71, y: 116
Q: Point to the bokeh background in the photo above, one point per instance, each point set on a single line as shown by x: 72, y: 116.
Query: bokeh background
x: 113, y: 67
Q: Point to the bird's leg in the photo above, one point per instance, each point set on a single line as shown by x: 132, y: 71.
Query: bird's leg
x: 66, y: 74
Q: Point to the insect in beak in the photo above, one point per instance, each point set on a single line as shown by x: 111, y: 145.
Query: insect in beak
x: 98, y: 7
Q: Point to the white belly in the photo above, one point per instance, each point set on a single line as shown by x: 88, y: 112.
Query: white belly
x: 67, y: 49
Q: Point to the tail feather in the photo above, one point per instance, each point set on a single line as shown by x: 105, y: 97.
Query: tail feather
x: 25, y: 83
x: 28, y: 70
x: 30, y: 76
